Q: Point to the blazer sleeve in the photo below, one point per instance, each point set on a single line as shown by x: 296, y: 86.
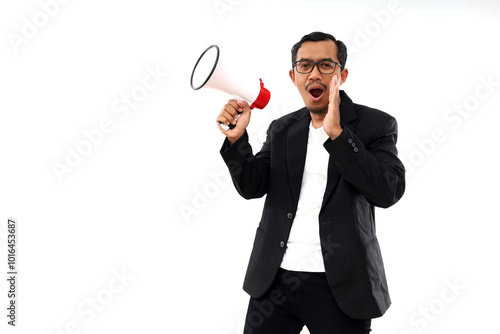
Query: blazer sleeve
x: 375, y: 171
x: 249, y: 172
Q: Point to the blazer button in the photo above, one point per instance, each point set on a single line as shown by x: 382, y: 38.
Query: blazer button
x: 282, y: 244
x: 349, y: 141
x: 356, y: 149
x: 289, y: 215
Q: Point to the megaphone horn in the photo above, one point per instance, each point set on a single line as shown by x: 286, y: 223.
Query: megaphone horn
x: 210, y: 73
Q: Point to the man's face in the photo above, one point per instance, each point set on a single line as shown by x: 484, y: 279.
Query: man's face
x: 315, y: 86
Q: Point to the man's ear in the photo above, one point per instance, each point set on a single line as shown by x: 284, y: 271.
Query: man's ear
x: 343, y: 75
x: 292, y: 76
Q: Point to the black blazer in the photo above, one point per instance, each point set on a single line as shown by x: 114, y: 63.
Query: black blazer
x: 363, y: 172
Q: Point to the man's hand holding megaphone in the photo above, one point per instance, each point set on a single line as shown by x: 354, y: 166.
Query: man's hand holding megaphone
x: 209, y: 72
x: 234, y: 111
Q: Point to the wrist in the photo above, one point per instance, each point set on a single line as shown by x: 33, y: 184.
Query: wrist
x: 233, y: 140
x: 335, y: 133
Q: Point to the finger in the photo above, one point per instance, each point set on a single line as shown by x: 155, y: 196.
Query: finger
x: 334, y: 93
x: 332, y: 89
x: 223, y: 120
x: 226, y: 116
x: 333, y: 86
x: 235, y: 105
x: 223, y: 127
x: 242, y: 105
x: 231, y: 109
x: 230, y: 112
x: 229, y: 116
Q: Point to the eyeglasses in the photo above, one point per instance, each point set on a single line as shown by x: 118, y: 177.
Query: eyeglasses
x: 324, y: 66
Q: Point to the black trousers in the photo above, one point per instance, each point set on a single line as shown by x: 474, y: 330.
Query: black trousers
x: 296, y: 299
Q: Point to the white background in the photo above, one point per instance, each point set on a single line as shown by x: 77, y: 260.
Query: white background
x: 152, y: 200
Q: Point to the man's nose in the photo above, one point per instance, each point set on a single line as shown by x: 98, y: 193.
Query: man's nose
x: 315, y: 73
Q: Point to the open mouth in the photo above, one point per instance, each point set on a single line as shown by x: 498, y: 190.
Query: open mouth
x: 316, y: 93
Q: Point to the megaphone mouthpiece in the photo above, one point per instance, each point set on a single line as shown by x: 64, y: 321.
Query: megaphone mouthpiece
x: 263, y: 98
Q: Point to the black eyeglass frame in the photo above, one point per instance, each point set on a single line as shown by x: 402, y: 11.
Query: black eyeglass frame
x: 316, y: 63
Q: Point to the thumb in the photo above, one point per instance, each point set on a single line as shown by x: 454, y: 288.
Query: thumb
x: 333, y: 85
x: 242, y: 104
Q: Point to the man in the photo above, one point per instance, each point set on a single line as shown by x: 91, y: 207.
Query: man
x: 316, y: 259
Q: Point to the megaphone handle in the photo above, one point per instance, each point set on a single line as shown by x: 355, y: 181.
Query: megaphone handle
x: 232, y: 126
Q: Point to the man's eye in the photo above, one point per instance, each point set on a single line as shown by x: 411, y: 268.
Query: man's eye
x: 305, y: 66
x: 326, y: 65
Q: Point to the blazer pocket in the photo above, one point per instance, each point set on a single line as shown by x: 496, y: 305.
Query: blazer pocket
x: 257, y: 247
x: 258, y: 241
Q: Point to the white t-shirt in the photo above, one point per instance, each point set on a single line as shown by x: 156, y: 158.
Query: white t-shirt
x: 303, y: 251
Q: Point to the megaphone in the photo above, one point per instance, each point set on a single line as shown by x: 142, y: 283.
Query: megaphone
x: 209, y: 72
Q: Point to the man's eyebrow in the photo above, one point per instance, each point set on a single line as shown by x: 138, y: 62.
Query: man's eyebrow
x: 324, y: 59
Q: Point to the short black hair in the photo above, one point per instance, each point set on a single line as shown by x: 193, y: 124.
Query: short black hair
x: 318, y: 36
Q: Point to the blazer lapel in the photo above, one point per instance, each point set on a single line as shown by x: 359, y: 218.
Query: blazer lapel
x: 347, y: 116
x: 296, y: 152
